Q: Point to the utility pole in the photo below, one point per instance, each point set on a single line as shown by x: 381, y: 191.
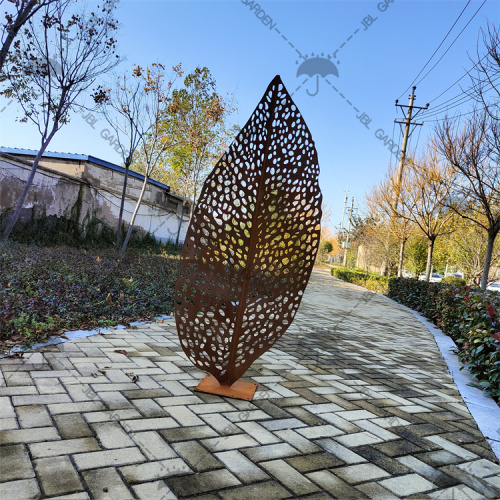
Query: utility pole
x: 406, y: 136
x: 402, y: 158
x: 343, y: 213
x: 348, y: 232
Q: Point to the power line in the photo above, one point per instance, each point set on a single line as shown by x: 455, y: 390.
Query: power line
x: 439, y: 46
x: 452, y: 43
x: 458, y: 99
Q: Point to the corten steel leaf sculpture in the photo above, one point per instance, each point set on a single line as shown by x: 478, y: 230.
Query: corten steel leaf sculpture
x: 251, y: 245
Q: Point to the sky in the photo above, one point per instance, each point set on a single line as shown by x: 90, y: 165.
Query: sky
x: 373, y: 51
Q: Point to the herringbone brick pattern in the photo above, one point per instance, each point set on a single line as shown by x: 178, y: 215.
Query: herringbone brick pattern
x: 354, y: 402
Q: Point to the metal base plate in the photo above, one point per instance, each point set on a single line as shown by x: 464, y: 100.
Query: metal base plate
x: 239, y: 390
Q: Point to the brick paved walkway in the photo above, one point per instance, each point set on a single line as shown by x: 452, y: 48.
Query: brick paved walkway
x: 354, y: 402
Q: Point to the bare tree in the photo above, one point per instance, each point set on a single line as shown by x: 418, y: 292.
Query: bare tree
x: 125, y: 109
x: 382, y: 204
x: 54, y: 63
x: 18, y: 13
x: 473, y: 150
x: 425, y: 191
x: 157, y: 128
x: 485, y: 86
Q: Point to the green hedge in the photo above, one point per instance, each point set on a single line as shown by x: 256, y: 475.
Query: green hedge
x: 372, y: 281
x: 469, y: 316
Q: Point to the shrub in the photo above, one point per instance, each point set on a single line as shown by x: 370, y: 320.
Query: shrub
x: 467, y: 315
x: 454, y: 280
x: 371, y: 281
x: 326, y: 247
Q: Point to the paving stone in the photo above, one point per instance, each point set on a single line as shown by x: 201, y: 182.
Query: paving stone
x: 105, y: 416
x: 434, y: 475
x: 28, y: 435
x: 289, y: 477
x: 473, y: 482
x: 112, y: 435
x: 221, y: 424
x: 284, y: 423
x: 153, y: 490
x: 358, y: 439
x: 149, y: 409
x: 108, y: 458
x: 460, y: 492
x: 187, y: 433
x: 84, y: 406
x: 315, y: 461
x: 229, y: 442
x: 106, y: 484
x: 269, y: 489
x: 150, y: 471
x: 33, y: 416
x: 244, y: 469
x: 42, y: 399
x: 202, y: 482
x: 8, y: 424
x: 72, y: 425
x: 480, y: 468
x: 354, y: 474
x: 15, y: 463
x: 341, y: 452
x: 24, y: 489
x: 152, y: 445
x: 452, y: 448
x: 375, y: 491
x: 57, y: 476
x: 64, y: 447
x: 334, y: 485
x: 258, y: 432
x: 6, y: 408
x: 149, y: 424
x: 398, y: 448
x: 197, y: 457
x: 297, y: 441
x: 408, y: 484
x: 270, y: 451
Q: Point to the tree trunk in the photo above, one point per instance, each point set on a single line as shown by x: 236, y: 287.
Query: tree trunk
x: 401, y: 256
x: 136, y: 209
x: 122, y: 204
x: 180, y: 224
x: 20, y: 203
x: 430, y: 249
x: 487, y: 259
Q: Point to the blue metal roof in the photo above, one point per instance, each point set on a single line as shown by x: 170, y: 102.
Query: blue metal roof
x: 92, y: 159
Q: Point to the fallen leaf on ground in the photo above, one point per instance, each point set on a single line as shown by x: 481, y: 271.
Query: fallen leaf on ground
x: 102, y: 371
x: 94, y: 375
x: 121, y: 351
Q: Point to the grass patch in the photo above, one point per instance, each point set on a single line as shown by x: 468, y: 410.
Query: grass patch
x: 371, y: 281
x: 46, y: 291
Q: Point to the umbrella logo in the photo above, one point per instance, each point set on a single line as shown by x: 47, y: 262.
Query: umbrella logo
x: 317, y: 66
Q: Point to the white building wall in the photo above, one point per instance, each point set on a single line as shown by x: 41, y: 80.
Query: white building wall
x: 100, y: 191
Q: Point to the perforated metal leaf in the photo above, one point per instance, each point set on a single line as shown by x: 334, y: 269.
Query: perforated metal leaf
x: 252, y: 241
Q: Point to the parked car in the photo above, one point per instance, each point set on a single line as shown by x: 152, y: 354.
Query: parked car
x: 457, y: 275
x: 494, y: 286
x: 434, y: 278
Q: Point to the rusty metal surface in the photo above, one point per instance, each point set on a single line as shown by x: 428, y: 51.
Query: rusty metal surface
x: 238, y: 390
x: 252, y: 241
